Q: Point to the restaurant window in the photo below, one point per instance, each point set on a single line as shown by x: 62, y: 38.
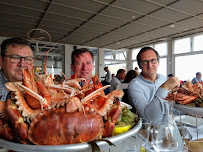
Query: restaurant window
x: 182, y: 45
x: 115, y: 60
x: 108, y: 54
x: 197, y: 43
x: 162, y: 69
x: 135, y: 65
x: 115, y: 67
x: 161, y: 48
x: 120, y: 55
x: 135, y: 52
x: 187, y: 66
x: 54, y: 61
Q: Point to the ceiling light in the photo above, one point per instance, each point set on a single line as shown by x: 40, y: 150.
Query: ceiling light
x: 118, y: 43
x: 171, y: 26
x: 133, y: 17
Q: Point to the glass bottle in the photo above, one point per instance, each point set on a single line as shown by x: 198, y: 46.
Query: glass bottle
x: 166, y: 136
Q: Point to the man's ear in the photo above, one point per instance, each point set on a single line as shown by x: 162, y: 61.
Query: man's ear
x: 72, y: 68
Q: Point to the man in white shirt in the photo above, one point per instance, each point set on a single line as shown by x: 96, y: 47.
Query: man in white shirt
x: 120, y: 76
x: 108, y: 75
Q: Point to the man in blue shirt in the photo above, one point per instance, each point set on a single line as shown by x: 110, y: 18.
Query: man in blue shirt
x: 148, y: 90
x: 197, y: 78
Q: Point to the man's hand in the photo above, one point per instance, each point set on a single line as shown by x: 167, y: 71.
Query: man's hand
x: 171, y: 83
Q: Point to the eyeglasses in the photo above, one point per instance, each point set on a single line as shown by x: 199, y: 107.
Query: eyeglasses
x: 152, y: 61
x: 18, y: 58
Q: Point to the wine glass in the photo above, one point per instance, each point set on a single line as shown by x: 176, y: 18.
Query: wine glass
x: 143, y: 136
x: 164, y: 138
x: 145, y: 133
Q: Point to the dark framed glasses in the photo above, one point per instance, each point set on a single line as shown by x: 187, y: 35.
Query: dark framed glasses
x: 152, y: 61
x: 17, y: 58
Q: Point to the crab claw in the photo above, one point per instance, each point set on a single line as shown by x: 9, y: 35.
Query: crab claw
x: 73, y: 105
x: 108, y: 129
x: 42, y: 100
x: 115, y: 112
x: 2, y: 109
x: 113, y: 116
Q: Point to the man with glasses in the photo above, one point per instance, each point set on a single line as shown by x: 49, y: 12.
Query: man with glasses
x: 148, y: 90
x: 16, y: 55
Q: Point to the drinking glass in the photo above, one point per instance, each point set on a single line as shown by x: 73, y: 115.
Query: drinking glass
x: 142, y: 137
x: 145, y: 132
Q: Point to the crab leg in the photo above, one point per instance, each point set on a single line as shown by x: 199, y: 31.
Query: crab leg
x: 74, y: 81
x: 67, y: 88
x: 93, y: 94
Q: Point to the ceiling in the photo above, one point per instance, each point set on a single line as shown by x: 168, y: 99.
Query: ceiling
x: 112, y: 24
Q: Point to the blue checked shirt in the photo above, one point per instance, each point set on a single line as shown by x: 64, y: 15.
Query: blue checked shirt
x: 3, y: 91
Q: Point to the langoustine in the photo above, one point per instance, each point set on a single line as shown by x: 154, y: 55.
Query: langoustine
x: 187, y: 93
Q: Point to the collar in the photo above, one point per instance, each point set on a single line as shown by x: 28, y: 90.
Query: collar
x: 119, y: 79
x: 3, y: 77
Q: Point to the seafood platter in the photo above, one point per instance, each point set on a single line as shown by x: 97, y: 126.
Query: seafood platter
x: 188, y: 98
x: 44, y: 116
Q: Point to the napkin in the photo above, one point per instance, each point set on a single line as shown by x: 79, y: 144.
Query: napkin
x: 191, y: 132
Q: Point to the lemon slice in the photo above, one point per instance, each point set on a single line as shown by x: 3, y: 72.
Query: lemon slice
x: 119, y: 130
x: 142, y: 149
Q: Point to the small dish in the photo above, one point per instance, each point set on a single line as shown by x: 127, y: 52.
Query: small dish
x: 195, y: 146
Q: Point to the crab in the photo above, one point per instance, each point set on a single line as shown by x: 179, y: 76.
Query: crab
x: 42, y: 113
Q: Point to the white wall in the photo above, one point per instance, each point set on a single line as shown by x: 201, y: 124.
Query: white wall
x: 68, y: 51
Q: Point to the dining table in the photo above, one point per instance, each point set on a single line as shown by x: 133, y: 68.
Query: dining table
x: 128, y: 145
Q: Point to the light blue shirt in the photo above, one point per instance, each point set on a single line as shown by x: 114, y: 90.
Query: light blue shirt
x: 147, y: 97
x: 195, y: 80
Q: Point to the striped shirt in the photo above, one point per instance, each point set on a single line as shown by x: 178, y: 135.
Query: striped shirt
x: 3, y: 91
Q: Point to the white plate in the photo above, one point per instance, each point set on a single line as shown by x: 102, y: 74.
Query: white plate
x: 195, y: 111
x: 189, y: 120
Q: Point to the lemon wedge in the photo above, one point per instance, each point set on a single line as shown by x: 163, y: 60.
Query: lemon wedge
x: 142, y: 149
x: 119, y: 130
